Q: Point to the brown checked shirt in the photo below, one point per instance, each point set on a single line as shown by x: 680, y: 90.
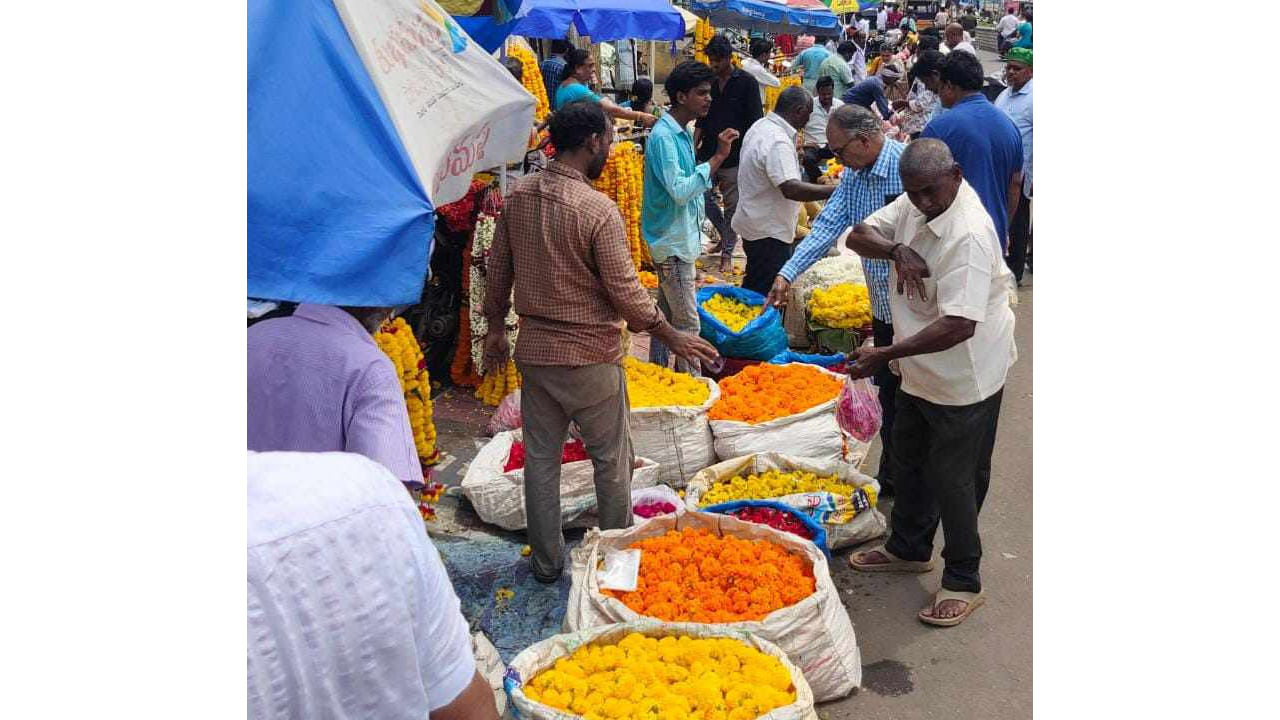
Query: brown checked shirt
x: 563, y: 244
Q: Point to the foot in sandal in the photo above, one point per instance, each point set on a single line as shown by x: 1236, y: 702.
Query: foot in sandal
x: 951, y: 608
x: 881, y: 560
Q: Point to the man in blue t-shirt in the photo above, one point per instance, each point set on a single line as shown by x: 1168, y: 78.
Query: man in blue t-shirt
x: 983, y: 139
x: 810, y: 60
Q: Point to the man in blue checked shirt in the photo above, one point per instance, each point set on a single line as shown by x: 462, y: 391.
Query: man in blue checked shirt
x: 869, y: 183
x: 671, y: 213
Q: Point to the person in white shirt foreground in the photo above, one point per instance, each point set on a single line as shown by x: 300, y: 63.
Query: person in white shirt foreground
x: 770, y: 188
x: 350, y: 612
x: 953, y: 345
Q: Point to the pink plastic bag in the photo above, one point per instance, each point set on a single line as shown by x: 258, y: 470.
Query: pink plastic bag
x: 858, y: 410
x: 507, y: 415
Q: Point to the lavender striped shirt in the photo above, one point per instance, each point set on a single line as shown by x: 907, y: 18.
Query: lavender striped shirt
x: 319, y: 383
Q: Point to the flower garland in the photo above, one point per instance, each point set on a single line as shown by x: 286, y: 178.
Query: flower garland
x: 771, y: 93
x: 530, y: 77
x: 459, y: 215
x: 461, y: 370
x: 498, y: 384
x: 647, y: 678
x: 623, y: 181
x: 397, y: 341
x: 702, y: 34
x: 694, y: 575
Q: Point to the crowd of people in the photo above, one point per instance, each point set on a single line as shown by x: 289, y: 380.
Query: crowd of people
x: 935, y: 200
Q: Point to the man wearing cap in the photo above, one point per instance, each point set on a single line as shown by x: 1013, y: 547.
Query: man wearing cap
x: 872, y: 90
x: 1015, y: 101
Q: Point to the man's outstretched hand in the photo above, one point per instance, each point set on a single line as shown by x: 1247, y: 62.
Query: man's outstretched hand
x: 778, y: 293
x: 692, y: 348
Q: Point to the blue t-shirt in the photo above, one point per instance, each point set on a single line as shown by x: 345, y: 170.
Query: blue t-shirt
x: 988, y: 148
x: 1024, y: 35
x: 572, y: 93
x: 811, y: 59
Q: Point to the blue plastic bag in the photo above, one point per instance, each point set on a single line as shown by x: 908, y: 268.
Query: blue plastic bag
x: 819, y: 532
x: 791, y: 356
x: 761, y: 339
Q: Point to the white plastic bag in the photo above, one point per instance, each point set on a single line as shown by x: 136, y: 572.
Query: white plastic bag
x: 507, y: 415
x: 842, y: 531
x: 811, y: 434
x: 656, y: 493
x: 541, y: 656
x: 815, y: 633
x: 498, y: 496
x: 677, y: 437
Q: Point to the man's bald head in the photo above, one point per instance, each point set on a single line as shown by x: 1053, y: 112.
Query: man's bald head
x: 930, y: 176
x: 954, y: 34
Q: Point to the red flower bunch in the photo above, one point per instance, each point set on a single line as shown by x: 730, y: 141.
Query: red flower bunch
x: 774, y: 518
x: 653, y: 508
x: 573, y: 452
x: 461, y: 214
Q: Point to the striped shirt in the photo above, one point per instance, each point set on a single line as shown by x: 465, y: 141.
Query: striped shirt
x: 319, y: 383
x: 860, y: 193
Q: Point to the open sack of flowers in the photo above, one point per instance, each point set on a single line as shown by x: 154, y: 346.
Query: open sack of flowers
x: 717, y: 566
x: 549, y: 679
x: 759, y: 338
x: 498, y: 495
x: 841, y: 513
x: 788, y: 407
x: 675, y: 434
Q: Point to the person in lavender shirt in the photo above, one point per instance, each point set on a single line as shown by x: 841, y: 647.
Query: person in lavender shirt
x: 319, y: 383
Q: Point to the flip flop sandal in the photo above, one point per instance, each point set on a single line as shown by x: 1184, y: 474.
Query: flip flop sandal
x: 972, y: 601
x: 895, y: 564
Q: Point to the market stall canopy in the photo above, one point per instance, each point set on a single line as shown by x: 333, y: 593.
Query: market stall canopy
x: 841, y: 7
x: 488, y: 22
x: 364, y: 115
x: 601, y: 20
x: 779, y: 16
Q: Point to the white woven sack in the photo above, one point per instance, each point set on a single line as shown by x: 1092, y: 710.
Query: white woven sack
x: 498, y: 496
x: 866, y: 525
x: 815, y: 633
x: 540, y: 656
x: 677, y: 437
x: 813, y: 433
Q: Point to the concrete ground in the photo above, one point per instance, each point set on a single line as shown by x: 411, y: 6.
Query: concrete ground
x: 982, y: 668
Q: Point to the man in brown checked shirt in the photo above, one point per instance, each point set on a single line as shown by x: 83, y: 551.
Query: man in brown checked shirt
x: 563, y: 245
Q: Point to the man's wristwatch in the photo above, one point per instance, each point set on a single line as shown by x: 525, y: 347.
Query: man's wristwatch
x: 894, y: 249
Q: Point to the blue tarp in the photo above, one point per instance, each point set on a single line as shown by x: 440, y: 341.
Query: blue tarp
x: 762, y: 15
x: 760, y: 339
x: 336, y: 214
x: 490, y: 31
x: 600, y: 19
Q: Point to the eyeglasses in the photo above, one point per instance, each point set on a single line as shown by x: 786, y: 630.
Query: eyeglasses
x: 846, y: 144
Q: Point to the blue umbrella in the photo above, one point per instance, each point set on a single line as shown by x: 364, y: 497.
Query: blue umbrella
x: 360, y: 122
x: 765, y: 16
x: 601, y: 20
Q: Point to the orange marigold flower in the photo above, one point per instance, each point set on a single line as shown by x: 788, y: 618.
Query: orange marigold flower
x: 764, y: 392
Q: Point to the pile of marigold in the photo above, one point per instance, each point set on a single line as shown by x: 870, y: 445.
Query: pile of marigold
x: 668, y: 678
x: 764, y: 392
x: 650, y: 385
x: 734, y: 314
x: 847, y: 305
x: 694, y: 575
x: 776, y: 483
x: 623, y: 181
x: 648, y: 279
x: 397, y: 341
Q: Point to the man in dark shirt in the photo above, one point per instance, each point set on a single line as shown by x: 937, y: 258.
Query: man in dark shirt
x: 735, y: 103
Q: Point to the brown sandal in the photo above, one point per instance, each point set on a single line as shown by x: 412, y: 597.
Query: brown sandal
x: 972, y: 602
x: 895, y: 564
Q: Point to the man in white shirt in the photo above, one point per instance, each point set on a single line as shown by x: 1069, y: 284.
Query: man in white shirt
x: 757, y: 66
x: 858, y: 63
x: 882, y: 19
x: 953, y: 344
x: 770, y: 189
x: 954, y: 39
x: 815, y: 131
x: 350, y: 612
x: 1005, y: 30
x: 941, y: 19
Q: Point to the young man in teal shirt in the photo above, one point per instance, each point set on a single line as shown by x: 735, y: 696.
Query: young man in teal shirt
x: 674, y: 184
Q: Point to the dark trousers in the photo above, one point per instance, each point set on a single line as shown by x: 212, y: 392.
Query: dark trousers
x: 765, y: 257
x: 1020, y: 236
x: 942, y: 459
x: 887, y: 383
x: 812, y: 157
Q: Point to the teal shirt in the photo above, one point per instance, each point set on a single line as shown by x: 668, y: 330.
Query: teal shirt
x: 1024, y: 35
x: 671, y: 214
x: 811, y: 59
x: 572, y: 93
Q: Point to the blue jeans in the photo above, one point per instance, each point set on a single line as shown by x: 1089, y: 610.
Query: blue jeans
x: 677, y: 299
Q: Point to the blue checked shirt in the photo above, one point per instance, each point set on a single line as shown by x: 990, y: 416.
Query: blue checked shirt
x: 860, y: 193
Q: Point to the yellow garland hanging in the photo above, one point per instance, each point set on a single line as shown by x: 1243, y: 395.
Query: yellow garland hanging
x: 531, y: 77
x: 623, y: 181
x: 771, y: 93
x: 397, y: 341
x: 702, y: 34
x: 499, y: 384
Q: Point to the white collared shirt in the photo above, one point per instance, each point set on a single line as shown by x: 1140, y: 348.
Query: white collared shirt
x: 967, y: 278
x: 815, y: 132
x: 752, y: 67
x: 964, y: 45
x: 768, y: 159
x: 1008, y: 24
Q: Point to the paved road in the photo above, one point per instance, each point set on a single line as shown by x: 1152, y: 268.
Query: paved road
x: 982, y: 668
